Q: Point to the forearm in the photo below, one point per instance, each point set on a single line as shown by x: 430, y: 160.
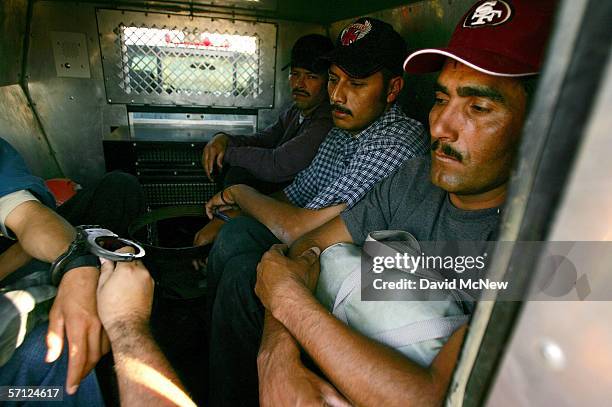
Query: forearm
x: 145, y: 377
x: 276, y: 341
x: 370, y: 374
x: 13, y: 258
x: 286, y: 221
x: 42, y: 233
x: 330, y: 233
x: 264, y: 163
x: 279, y: 163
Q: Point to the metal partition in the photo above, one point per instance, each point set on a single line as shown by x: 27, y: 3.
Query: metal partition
x: 163, y: 59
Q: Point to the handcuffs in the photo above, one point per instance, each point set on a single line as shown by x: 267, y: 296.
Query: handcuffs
x: 90, y: 243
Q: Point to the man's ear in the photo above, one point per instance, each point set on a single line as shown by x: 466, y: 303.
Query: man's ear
x: 395, y: 87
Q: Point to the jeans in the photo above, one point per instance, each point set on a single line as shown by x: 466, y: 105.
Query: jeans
x: 111, y: 203
x: 236, y: 312
x: 28, y: 368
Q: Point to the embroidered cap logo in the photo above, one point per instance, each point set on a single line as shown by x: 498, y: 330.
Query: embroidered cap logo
x: 488, y: 13
x: 355, y: 32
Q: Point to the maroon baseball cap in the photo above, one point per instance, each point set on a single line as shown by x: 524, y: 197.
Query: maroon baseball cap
x: 499, y: 37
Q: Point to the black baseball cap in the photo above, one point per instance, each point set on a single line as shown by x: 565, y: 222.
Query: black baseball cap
x: 307, y: 50
x: 366, y: 46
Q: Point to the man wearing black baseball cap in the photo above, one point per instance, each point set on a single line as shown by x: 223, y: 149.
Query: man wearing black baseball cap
x: 277, y: 153
x: 270, y: 159
x: 455, y: 194
x: 369, y: 53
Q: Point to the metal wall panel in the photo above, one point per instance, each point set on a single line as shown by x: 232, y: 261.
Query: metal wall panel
x: 19, y: 127
x: 13, y: 15
x: 71, y: 110
x: 75, y: 113
x: 422, y: 24
x: 560, y: 354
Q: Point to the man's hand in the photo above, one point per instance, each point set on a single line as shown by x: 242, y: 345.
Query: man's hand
x: 74, y: 316
x: 278, y: 276
x: 222, y: 201
x: 214, y: 153
x: 125, y: 295
x: 208, y: 233
x: 292, y: 384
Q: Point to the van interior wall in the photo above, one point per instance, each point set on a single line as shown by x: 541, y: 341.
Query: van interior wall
x: 422, y: 24
x: 75, y: 115
x: 18, y: 124
x: 75, y: 112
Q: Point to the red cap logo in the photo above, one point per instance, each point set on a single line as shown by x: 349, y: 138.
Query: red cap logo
x: 355, y: 32
x: 488, y: 13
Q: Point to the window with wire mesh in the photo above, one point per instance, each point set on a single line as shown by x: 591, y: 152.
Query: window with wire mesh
x: 161, y: 61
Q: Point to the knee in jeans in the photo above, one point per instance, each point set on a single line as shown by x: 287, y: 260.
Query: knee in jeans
x: 232, y: 237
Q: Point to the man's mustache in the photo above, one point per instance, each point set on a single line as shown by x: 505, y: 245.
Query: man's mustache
x: 447, y: 150
x: 298, y: 91
x: 341, y: 109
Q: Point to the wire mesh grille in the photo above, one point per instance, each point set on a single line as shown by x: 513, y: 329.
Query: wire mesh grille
x: 166, y: 61
x: 162, y: 194
x: 159, y: 59
x: 176, y: 155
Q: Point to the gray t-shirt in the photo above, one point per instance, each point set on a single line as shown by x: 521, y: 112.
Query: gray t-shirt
x: 407, y: 200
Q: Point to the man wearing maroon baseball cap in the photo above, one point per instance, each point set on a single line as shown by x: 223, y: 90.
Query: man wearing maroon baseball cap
x: 481, y: 96
x: 499, y: 38
x: 455, y: 194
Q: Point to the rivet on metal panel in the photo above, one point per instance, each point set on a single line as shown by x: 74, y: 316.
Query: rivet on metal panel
x: 134, y: 144
x: 109, y: 100
x: 71, y: 97
x: 132, y: 101
x: 552, y: 354
x: 192, y: 145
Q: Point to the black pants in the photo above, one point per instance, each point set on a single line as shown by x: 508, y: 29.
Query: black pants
x: 113, y: 202
x: 236, y: 312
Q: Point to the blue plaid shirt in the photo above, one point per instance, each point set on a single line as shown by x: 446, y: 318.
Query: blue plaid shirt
x: 347, y: 166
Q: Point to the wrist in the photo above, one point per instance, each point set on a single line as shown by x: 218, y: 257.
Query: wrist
x: 84, y: 276
x: 61, y: 268
x: 296, y: 299
x: 121, y: 330
x: 283, y: 353
x: 230, y: 194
